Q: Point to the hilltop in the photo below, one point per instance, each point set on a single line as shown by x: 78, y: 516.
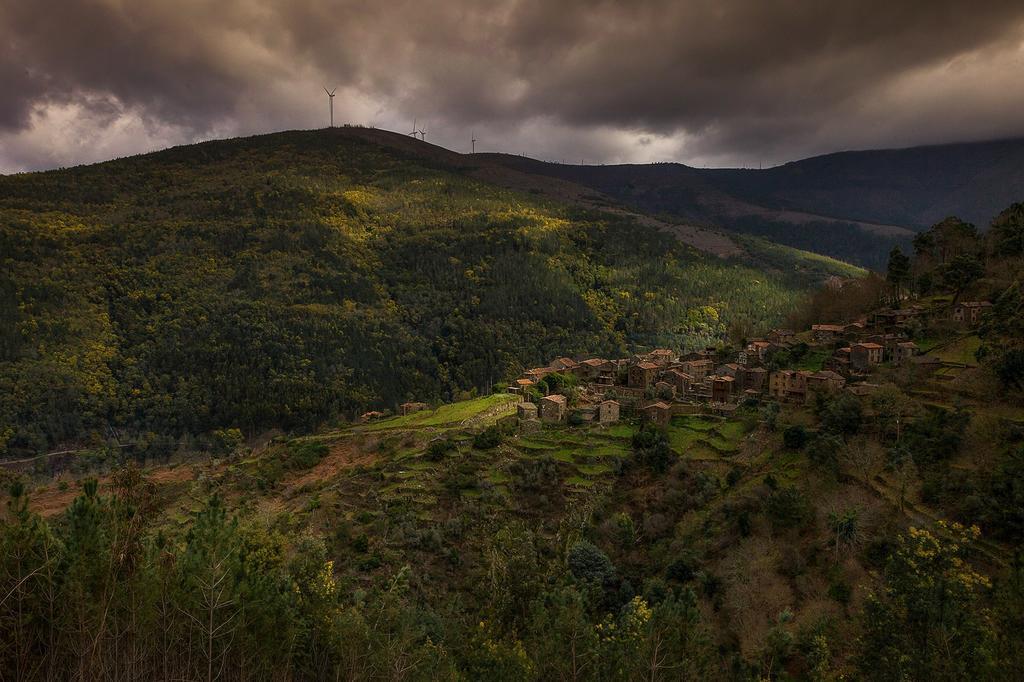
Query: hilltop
x: 286, y: 279
x: 851, y: 205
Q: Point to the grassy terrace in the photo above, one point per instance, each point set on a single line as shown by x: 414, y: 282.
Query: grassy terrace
x: 487, y: 409
x: 584, y: 456
x: 705, y: 437
x: 961, y: 350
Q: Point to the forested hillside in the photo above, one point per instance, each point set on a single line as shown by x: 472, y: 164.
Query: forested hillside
x: 866, y: 530
x: 850, y: 205
x: 282, y: 280
x: 913, y: 187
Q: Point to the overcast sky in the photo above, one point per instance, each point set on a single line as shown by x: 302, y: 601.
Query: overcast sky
x: 704, y: 82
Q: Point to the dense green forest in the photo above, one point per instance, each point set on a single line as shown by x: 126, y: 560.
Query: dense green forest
x: 283, y: 280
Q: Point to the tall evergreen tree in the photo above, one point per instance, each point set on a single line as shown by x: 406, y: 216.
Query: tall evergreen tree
x: 897, y: 272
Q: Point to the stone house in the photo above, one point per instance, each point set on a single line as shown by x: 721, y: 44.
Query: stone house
x: 563, y: 364
x: 661, y: 356
x: 824, y: 381
x: 754, y: 379
x: 701, y: 390
x: 722, y: 388
x: 904, y: 351
x: 892, y: 319
x: 657, y: 413
x: 762, y: 350
x: 642, y: 374
x: 839, y: 361
x: 970, y: 312
x: 680, y: 379
x: 521, y: 385
x: 734, y: 370
x: 552, y: 408
x: 705, y: 354
x: 536, y: 374
x: 592, y: 369
x: 664, y: 388
x: 826, y: 333
x: 888, y: 342
x: 698, y: 369
x: 788, y: 384
x: 781, y: 336
x: 409, y: 408
x: 526, y: 411
x: 608, y: 412
x: 863, y: 356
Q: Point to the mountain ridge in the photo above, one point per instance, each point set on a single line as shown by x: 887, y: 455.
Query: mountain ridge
x: 855, y: 196
x: 854, y: 205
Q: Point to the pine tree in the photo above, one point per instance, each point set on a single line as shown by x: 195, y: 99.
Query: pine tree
x: 897, y: 273
x: 210, y: 573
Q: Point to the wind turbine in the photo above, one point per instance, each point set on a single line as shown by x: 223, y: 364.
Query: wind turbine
x: 415, y: 131
x: 472, y: 140
x: 423, y: 134
x: 330, y: 96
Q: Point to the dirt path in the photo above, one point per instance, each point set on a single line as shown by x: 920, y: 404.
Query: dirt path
x: 921, y: 515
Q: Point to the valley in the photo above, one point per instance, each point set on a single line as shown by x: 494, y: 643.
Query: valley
x: 321, y: 358
x: 366, y: 415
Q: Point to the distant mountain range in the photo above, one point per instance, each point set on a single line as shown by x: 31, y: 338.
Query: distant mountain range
x: 851, y: 205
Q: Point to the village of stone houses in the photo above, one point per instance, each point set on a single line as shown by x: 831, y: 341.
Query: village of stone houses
x: 854, y: 357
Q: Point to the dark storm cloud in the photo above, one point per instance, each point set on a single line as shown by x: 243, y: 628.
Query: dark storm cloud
x: 713, y: 78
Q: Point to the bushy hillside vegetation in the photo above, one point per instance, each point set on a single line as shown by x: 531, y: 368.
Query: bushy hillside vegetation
x: 870, y: 534
x: 285, y: 279
x: 415, y: 549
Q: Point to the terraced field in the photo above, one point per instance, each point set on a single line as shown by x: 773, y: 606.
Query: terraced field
x: 960, y: 351
x: 704, y: 437
x: 586, y: 454
x: 479, y: 411
x: 404, y: 473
